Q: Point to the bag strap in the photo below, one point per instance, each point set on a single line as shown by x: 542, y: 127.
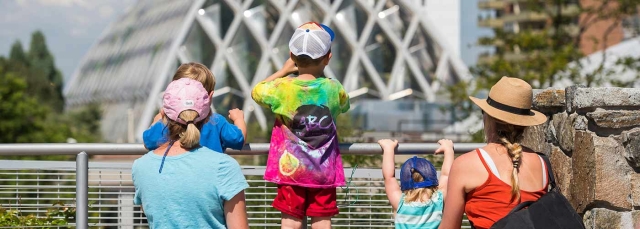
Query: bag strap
x: 552, y: 179
x: 520, y: 206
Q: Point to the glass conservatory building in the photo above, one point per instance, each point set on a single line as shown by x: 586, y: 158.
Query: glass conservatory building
x: 385, y: 50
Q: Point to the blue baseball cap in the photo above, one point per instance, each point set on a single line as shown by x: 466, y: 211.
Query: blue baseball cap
x: 421, y: 166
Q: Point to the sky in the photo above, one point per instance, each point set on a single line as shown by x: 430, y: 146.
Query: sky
x: 72, y: 26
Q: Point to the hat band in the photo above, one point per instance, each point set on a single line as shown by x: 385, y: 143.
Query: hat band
x: 507, y: 108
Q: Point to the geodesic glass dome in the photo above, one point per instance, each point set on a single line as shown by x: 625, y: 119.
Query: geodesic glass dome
x: 384, y: 50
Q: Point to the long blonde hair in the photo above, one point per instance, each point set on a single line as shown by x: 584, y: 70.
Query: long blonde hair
x: 189, y: 134
x: 198, y: 72
x: 419, y: 194
x: 510, y: 136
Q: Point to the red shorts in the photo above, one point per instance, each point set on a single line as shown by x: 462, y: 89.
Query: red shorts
x: 302, y: 201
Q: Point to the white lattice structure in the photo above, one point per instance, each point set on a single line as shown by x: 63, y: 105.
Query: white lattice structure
x: 384, y: 49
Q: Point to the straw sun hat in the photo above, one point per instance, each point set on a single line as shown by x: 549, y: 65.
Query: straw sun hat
x: 510, y: 101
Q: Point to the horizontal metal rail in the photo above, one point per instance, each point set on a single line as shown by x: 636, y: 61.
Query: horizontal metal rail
x: 32, y: 187
x: 248, y: 149
x: 83, y: 150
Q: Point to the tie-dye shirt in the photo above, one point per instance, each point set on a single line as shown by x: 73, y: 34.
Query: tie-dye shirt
x: 304, y: 148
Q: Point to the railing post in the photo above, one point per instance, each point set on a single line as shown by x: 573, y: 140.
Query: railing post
x: 304, y: 222
x: 82, y: 191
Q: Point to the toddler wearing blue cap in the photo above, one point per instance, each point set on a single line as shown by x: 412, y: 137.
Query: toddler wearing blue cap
x: 419, y: 199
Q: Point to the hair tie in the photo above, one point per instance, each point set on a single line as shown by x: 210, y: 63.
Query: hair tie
x: 189, y: 122
x: 516, y: 164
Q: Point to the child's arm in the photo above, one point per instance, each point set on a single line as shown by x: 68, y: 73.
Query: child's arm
x: 446, y: 147
x: 388, y: 172
x: 344, y: 100
x: 158, y: 117
x: 264, y: 93
x: 289, y: 67
x: 237, y: 116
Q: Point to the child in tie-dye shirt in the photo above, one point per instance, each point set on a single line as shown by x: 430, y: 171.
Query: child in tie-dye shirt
x: 304, y: 156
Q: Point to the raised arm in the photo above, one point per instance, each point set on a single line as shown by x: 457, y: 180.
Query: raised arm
x: 264, y: 92
x: 157, y: 117
x: 235, y: 212
x: 446, y: 147
x: 237, y: 116
x: 289, y: 67
x: 388, y: 172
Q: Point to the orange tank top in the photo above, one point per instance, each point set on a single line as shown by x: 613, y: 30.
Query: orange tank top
x: 489, y: 202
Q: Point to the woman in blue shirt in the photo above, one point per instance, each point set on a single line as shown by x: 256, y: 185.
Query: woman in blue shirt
x: 182, y: 184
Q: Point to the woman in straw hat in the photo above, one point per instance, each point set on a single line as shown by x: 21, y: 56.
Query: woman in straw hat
x: 488, y: 182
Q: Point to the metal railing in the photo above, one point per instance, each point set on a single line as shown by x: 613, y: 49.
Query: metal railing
x: 364, y: 205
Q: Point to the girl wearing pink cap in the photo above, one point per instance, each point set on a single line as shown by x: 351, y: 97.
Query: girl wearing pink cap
x: 182, y: 184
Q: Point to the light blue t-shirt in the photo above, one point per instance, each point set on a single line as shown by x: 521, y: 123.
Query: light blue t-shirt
x: 419, y: 214
x: 191, y: 190
x: 217, y: 134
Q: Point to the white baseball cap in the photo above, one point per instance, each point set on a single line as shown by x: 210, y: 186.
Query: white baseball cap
x: 312, y: 39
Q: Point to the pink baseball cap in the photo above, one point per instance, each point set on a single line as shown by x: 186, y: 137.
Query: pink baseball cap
x: 185, y: 94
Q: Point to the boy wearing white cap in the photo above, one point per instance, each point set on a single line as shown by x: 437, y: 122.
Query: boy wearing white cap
x: 304, y: 156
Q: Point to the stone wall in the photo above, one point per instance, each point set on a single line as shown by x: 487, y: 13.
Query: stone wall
x: 593, y: 140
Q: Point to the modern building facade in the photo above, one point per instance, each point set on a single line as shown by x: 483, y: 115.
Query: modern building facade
x: 384, y: 50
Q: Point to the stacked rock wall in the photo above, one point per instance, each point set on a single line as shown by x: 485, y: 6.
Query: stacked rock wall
x: 593, y: 140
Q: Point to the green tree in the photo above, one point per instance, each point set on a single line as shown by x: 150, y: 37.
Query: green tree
x: 31, y: 100
x: 22, y: 116
x: 44, y: 77
x: 543, y: 58
x: 31, y: 112
x: 17, y: 53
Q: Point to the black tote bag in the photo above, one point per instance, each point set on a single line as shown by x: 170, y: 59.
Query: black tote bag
x: 552, y: 210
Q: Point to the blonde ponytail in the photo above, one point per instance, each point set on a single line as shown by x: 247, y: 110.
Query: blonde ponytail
x: 188, y: 135
x: 419, y: 194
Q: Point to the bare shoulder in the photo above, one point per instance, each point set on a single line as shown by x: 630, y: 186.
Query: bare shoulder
x: 527, y: 152
x: 468, y: 157
x: 469, y: 171
x: 467, y: 161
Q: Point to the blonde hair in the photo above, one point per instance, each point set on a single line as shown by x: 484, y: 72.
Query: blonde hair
x: 419, y: 194
x: 510, y: 137
x: 189, y: 134
x: 197, y: 72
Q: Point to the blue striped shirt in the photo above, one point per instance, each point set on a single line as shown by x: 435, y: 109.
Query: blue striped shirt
x: 420, y: 214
